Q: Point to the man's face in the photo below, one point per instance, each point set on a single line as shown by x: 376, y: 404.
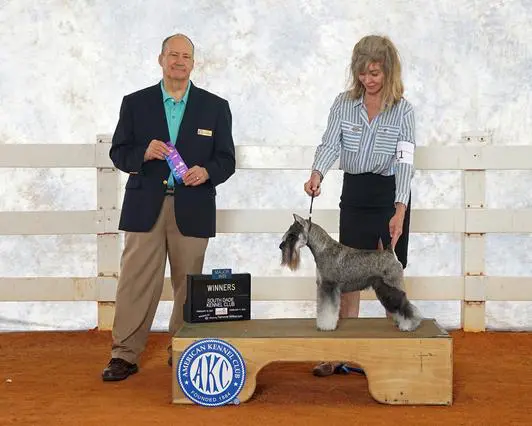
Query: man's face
x: 177, y: 60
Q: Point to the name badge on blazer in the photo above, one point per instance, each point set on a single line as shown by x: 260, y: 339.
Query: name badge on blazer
x: 204, y: 132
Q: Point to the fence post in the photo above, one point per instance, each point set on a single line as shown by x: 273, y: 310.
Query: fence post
x: 473, y: 310
x: 107, y: 240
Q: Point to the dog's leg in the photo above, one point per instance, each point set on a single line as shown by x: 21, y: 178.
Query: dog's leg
x: 328, y: 306
x: 406, y: 316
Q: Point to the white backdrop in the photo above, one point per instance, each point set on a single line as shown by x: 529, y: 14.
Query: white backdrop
x: 66, y: 66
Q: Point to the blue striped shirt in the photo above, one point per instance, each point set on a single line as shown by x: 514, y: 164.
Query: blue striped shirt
x: 385, y: 146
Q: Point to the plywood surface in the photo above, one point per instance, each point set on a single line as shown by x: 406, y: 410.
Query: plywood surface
x: 290, y: 328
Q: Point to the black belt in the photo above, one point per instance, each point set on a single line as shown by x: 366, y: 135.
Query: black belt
x: 169, y: 191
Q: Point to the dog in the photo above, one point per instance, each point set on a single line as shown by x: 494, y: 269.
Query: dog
x: 341, y: 269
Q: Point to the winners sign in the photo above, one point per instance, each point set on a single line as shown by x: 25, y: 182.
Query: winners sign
x: 222, y: 296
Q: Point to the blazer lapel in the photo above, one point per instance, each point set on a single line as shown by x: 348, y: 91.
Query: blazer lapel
x: 191, y: 111
x: 156, y: 110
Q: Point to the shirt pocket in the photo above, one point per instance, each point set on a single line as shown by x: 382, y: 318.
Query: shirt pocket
x: 386, y: 140
x: 351, y: 135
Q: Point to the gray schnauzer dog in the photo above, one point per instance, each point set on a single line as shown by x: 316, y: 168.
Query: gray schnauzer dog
x: 341, y: 269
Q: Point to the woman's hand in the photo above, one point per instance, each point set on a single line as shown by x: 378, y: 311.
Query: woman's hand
x: 396, y: 223
x: 312, y: 186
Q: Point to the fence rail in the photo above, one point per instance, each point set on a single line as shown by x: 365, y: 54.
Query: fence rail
x: 473, y: 287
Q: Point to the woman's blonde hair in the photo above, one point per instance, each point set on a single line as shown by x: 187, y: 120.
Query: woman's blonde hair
x: 371, y: 49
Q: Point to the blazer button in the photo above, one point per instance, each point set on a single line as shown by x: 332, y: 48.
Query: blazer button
x: 165, y: 182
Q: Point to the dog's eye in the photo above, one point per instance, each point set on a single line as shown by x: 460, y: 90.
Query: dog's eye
x: 291, y: 238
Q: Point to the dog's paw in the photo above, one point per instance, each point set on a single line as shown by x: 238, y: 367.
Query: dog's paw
x: 409, y: 325
x: 326, y: 324
x: 415, y: 320
x: 406, y: 324
x: 326, y: 328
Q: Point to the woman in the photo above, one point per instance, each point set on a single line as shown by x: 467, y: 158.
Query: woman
x: 371, y: 128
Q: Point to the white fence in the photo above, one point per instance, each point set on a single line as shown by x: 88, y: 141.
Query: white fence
x: 473, y: 287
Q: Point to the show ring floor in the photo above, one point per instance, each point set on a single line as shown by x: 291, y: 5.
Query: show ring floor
x: 54, y: 378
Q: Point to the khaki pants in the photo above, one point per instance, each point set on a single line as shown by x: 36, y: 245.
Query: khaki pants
x: 141, y: 280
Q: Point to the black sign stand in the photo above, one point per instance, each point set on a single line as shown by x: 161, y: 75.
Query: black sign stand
x: 222, y: 296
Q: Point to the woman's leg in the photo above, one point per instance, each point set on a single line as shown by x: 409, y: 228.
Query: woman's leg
x: 350, y: 304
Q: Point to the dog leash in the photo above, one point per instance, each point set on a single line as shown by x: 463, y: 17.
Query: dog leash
x: 310, y: 212
x: 345, y: 369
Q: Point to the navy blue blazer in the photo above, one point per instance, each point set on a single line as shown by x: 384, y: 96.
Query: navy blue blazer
x: 142, y: 118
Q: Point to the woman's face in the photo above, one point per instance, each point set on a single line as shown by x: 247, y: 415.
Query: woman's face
x: 372, y: 78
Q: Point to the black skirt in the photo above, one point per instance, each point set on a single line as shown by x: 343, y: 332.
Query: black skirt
x: 366, y: 207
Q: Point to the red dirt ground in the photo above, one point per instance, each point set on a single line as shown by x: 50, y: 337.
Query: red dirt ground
x: 54, y: 379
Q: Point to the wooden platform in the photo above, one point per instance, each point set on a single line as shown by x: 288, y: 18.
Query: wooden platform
x: 401, y: 367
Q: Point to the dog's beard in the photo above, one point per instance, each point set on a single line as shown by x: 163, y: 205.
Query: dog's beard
x: 291, y: 258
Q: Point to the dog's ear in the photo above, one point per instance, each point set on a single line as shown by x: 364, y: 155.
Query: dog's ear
x: 300, y: 220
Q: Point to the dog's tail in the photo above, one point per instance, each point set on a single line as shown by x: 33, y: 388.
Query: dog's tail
x: 389, y: 247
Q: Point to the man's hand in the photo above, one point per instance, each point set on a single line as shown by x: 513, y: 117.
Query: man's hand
x: 195, y: 176
x: 396, y: 223
x: 156, y: 150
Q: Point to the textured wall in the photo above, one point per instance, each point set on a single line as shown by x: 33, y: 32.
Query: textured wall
x: 66, y: 66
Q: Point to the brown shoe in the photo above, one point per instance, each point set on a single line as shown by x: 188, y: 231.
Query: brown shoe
x: 324, y: 369
x: 118, y: 369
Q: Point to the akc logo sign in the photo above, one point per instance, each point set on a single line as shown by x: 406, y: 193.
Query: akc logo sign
x: 211, y: 372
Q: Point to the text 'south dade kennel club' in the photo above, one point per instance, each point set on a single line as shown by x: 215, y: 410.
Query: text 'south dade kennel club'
x: 211, y: 372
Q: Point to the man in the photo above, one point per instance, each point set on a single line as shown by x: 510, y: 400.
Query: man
x: 160, y: 216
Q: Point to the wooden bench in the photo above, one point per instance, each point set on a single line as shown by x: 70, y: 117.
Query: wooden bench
x: 401, y: 367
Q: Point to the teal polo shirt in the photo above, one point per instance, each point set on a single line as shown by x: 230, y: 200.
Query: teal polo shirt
x: 174, y: 115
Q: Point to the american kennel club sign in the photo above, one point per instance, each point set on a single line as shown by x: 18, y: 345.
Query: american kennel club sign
x: 222, y: 296
x: 211, y: 372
